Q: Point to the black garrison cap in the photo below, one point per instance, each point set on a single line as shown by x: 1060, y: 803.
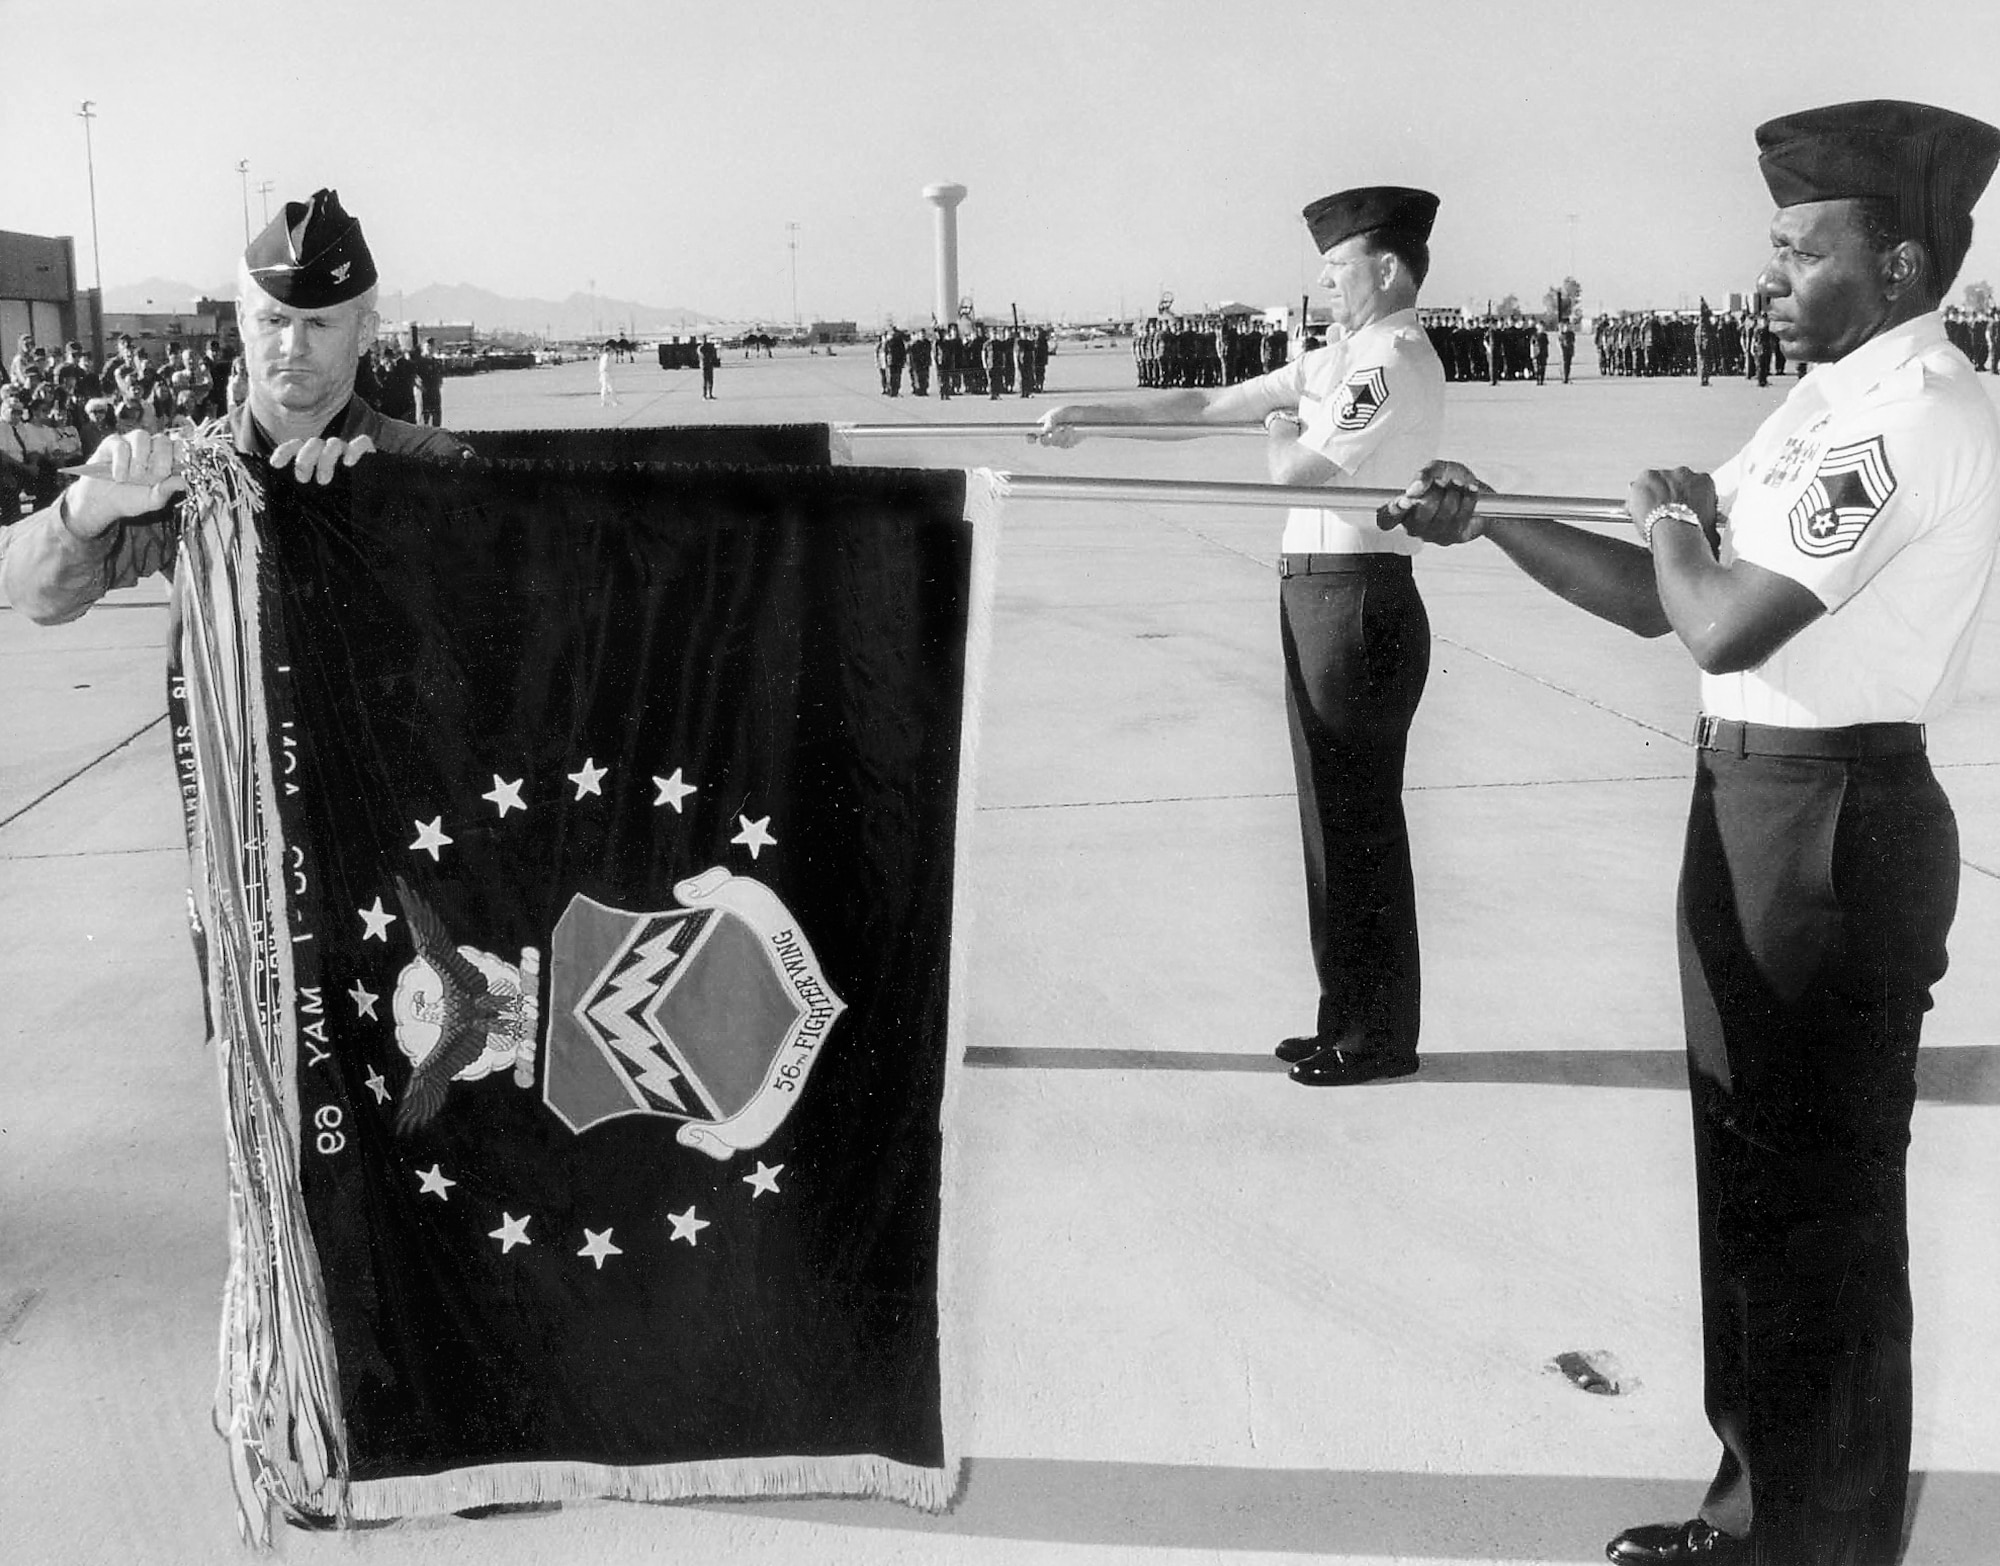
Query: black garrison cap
x: 1931, y: 162
x: 1396, y: 209
x: 312, y: 255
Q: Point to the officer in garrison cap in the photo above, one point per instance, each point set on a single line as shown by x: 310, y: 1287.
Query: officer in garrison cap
x: 305, y: 310
x: 1356, y: 640
x: 1827, y: 579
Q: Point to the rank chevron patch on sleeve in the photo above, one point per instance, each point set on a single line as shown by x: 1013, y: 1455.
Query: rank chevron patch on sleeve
x: 1853, y: 484
x: 1361, y: 397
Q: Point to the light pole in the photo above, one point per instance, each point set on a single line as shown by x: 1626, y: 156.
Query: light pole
x: 243, y: 170
x: 792, y: 239
x: 86, y: 114
x: 264, y: 189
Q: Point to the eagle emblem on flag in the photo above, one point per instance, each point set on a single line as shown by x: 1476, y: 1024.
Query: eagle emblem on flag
x: 1853, y: 484
x: 460, y: 1013
x: 1361, y: 397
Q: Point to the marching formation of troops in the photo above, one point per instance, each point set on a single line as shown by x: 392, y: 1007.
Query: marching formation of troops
x: 1493, y: 348
x: 1703, y: 343
x: 1002, y: 362
x: 1206, y: 350
x: 1976, y: 334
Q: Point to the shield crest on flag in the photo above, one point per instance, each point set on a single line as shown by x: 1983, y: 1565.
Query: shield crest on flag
x: 710, y: 1013
x: 1853, y: 484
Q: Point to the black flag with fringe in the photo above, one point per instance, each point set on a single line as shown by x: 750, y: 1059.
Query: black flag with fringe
x: 577, y: 855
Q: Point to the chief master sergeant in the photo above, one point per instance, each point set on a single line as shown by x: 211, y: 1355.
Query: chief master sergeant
x: 1356, y: 639
x: 306, y: 309
x: 1828, y: 580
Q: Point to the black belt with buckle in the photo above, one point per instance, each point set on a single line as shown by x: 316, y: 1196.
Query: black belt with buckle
x: 1856, y: 742
x: 1334, y: 565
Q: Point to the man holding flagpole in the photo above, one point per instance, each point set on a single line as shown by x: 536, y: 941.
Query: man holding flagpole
x: 1356, y: 638
x: 1827, y: 580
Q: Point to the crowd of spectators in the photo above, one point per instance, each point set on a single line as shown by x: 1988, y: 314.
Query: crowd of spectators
x: 56, y: 406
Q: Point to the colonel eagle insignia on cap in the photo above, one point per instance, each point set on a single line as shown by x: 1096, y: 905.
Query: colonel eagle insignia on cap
x: 312, y: 255
x: 1853, y: 484
x: 1361, y: 398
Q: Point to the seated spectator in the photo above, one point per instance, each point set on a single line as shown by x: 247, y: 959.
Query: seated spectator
x: 197, y: 374
x: 159, y: 400
x: 17, y: 469
x: 41, y: 444
x: 96, y: 424
x: 49, y: 412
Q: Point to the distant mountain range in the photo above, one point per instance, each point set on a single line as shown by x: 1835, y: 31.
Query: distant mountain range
x: 580, y: 315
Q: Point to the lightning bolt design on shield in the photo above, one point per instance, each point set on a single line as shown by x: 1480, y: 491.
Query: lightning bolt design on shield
x: 623, y: 995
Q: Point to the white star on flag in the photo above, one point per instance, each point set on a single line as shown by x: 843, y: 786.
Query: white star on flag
x: 512, y: 1232
x: 378, y: 919
x: 588, y: 777
x: 364, y: 1000
x: 765, y: 1179
x: 435, y: 1183
x: 430, y: 837
x: 505, y: 796
x: 377, y: 1086
x: 753, y: 836
x: 673, y: 790
x: 686, y: 1226
x: 598, y: 1246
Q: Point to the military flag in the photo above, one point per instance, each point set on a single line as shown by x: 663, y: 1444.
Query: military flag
x: 577, y: 856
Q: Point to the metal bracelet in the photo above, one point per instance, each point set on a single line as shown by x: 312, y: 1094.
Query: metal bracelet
x: 1666, y: 511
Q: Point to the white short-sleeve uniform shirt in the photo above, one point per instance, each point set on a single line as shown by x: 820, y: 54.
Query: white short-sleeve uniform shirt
x: 1372, y: 402
x: 1877, y: 486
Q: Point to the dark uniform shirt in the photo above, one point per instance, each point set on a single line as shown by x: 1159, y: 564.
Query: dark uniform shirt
x: 51, y: 575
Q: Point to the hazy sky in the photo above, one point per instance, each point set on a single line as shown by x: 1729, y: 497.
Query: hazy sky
x: 1112, y: 148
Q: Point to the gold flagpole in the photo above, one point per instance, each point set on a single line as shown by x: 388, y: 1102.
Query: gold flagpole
x: 1020, y: 428
x: 1201, y: 492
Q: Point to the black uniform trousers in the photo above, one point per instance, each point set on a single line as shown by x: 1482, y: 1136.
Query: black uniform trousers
x: 1815, y: 897
x: 1357, y: 653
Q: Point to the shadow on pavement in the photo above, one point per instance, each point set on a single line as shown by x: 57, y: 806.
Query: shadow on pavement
x: 1960, y: 1074
x: 1494, y: 1517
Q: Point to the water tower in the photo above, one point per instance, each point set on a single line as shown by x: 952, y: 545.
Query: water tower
x: 945, y: 198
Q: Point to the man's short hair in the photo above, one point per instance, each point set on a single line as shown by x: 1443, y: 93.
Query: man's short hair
x: 1415, y: 254
x: 1944, y: 247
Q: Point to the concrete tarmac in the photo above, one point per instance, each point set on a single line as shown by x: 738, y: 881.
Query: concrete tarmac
x: 1197, y: 1313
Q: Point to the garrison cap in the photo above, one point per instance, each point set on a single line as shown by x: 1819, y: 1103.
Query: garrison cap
x: 1931, y: 162
x: 1395, y: 209
x: 312, y: 255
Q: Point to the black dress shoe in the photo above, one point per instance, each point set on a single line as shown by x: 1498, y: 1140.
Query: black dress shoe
x: 1673, y: 1544
x: 1292, y: 1051
x: 1347, y: 1067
